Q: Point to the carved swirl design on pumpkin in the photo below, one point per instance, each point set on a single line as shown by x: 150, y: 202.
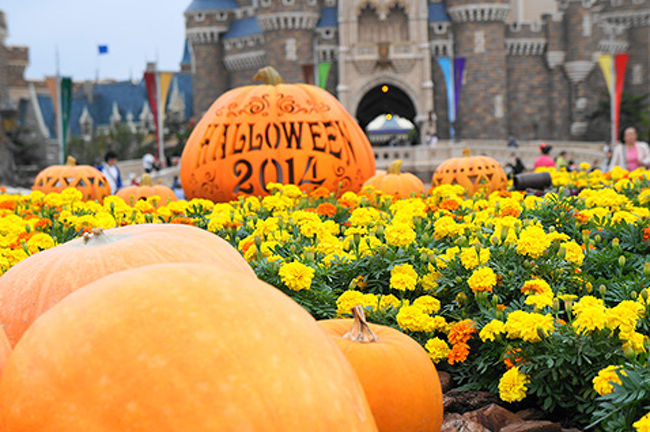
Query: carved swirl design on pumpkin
x: 287, y: 104
x: 345, y: 182
x: 339, y: 171
x: 257, y: 105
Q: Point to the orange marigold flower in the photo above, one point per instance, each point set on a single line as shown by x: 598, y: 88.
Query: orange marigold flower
x: 646, y: 234
x: 504, y: 194
x: 461, y: 332
x: 510, y: 212
x: 43, y: 223
x: 511, y: 359
x: 8, y: 205
x: 449, y: 204
x: 581, y: 217
x: 181, y: 220
x: 326, y: 209
x: 458, y: 353
x: 320, y: 192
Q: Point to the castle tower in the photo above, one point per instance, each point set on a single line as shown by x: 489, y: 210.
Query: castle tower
x: 479, y: 36
x: 205, y: 23
x: 289, y: 36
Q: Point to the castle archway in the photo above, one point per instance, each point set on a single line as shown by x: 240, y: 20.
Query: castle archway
x: 385, y: 98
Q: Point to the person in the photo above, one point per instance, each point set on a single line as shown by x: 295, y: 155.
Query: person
x: 148, y: 162
x: 512, y: 142
x: 111, y: 171
x: 178, y: 190
x: 561, y: 161
x: 515, y: 165
x: 630, y: 154
x: 544, y: 160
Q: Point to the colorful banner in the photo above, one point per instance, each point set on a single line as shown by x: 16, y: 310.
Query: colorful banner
x: 152, y: 97
x: 620, y: 64
x: 605, y: 63
x: 66, y: 105
x: 323, y: 73
x: 445, y: 66
x: 52, y: 84
x: 459, y: 71
x: 165, y: 81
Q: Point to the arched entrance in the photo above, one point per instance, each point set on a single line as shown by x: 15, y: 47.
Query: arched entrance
x: 385, y: 99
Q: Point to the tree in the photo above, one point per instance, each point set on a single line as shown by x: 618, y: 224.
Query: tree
x: 634, y: 112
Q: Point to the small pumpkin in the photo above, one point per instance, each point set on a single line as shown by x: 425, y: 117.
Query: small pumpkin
x: 146, y: 189
x: 180, y: 347
x: 90, y: 181
x: 399, y: 378
x: 39, y: 282
x: 282, y: 133
x: 394, y: 182
x: 471, y: 172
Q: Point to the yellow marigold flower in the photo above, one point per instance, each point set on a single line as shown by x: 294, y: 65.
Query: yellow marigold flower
x: 512, y: 385
x: 532, y: 242
x: 403, y: 277
x: 590, y: 315
x: 573, y: 252
x: 602, y: 381
x: 364, y: 216
x: 536, y: 286
x: 276, y: 203
x: 557, y: 236
x: 428, y: 303
x: 292, y: 191
x: 399, y: 234
x: 528, y: 326
x: 643, y: 424
x: 471, y: 258
x: 491, y: 330
x: 413, y: 318
x: 437, y: 349
x: 71, y: 195
x: 351, y: 298
x: 389, y: 301
x: 440, y: 324
x: 296, y: 275
x: 38, y: 242
x: 482, y: 279
x: 430, y: 280
x: 584, y: 166
x: 635, y: 341
x: 624, y: 216
x: 624, y: 316
x: 104, y: 220
x: 539, y: 301
x: 446, y: 226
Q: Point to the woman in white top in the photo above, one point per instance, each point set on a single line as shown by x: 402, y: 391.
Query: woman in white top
x: 632, y: 154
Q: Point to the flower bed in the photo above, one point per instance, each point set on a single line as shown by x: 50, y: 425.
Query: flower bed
x: 537, y: 298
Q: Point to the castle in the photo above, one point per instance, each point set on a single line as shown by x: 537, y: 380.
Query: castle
x: 531, y: 80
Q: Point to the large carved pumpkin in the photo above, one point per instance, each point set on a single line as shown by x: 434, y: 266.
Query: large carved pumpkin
x: 37, y: 283
x: 471, y: 172
x: 90, y: 181
x: 399, y: 378
x: 146, y: 189
x: 395, y: 182
x: 282, y: 133
x: 180, y: 347
x: 5, y: 349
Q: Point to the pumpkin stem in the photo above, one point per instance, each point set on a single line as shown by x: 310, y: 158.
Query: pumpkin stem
x: 146, y: 180
x: 360, y: 331
x: 268, y: 75
x: 394, y: 167
x: 467, y: 152
x: 70, y: 161
x: 95, y: 233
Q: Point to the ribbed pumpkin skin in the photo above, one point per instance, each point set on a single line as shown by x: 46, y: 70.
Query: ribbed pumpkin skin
x: 400, y: 381
x: 471, y: 172
x: 402, y: 184
x: 131, y: 194
x: 40, y: 281
x: 5, y: 349
x: 179, y: 347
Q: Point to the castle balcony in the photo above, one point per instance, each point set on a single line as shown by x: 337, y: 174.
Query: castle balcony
x: 288, y: 21
x: 400, y: 55
x: 205, y: 35
x: 480, y: 12
x: 525, y: 46
x: 627, y: 18
x: 613, y: 46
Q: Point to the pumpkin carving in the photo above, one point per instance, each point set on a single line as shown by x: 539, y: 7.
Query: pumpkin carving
x: 400, y: 381
x: 394, y: 182
x: 146, y: 189
x: 471, y: 172
x: 90, y: 181
x: 282, y: 133
x: 37, y: 283
x: 180, y: 347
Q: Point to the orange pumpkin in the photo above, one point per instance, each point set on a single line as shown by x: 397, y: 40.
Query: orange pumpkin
x: 90, y: 181
x: 146, y: 189
x: 394, y: 182
x: 400, y: 381
x: 39, y: 282
x: 471, y: 172
x: 5, y: 349
x: 282, y: 133
x: 180, y: 347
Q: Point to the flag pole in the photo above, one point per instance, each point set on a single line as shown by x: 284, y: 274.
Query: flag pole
x: 612, y: 104
x: 59, y: 116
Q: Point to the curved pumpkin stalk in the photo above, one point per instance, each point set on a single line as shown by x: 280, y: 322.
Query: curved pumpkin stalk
x: 360, y: 331
x: 394, y: 167
x: 268, y: 75
x: 146, y: 180
x: 71, y: 161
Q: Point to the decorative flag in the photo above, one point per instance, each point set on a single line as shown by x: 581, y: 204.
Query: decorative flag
x: 620, y: 64
x: 152, y: 97
x: 605, y: 63
x: 165, y: 81
x: 66, y: 104
x: 52, y: 84
x: 102, y: 49
x: 459, y: 70
x: 445, y: 66
x: 323, y: 73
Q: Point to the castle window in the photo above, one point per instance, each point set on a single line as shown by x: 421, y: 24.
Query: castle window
x: 265, y: 3
x: 368, y: 24
x: 479, y: 42
x: 440, y: 28
x: 327, y: 34
x: 398, y: 27
x: 637, y: 74
x: 288, y: 2
x: 222, y: 16
x: 290, y: 50
x: 200, y: 16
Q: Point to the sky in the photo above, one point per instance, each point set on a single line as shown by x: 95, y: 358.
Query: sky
x: 136, y: 31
